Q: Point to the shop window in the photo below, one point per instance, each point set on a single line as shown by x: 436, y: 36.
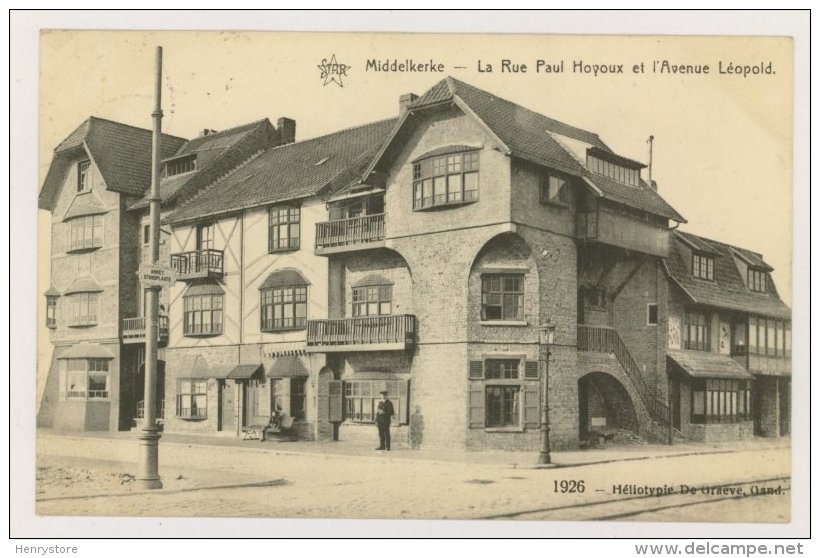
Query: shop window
x: 502, y: 297
x: 87, y: 378
x: 362, y: 396
x: 297, y: 398
x: 192, y: 399
x: 720, y: 401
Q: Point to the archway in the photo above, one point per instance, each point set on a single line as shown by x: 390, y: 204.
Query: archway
x: 604, y: 405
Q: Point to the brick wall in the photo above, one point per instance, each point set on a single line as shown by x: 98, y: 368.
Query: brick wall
x: 766, y: 406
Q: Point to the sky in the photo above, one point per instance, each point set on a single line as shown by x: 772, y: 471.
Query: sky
x: 722, y: 149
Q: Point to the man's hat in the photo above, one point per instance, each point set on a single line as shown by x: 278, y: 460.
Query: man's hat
x: 383, y: 392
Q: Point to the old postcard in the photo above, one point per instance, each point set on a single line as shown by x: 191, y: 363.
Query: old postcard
x: 415, y: 276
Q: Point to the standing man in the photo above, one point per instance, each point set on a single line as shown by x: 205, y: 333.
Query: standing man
x: 384, y: 412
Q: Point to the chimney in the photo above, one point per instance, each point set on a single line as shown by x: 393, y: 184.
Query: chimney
x: 287, y: 130
x: 206, y: 132
x: 405, y: 101
x: 653, y: 184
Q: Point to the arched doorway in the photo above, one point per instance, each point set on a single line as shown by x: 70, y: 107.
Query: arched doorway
x: 604, y: 405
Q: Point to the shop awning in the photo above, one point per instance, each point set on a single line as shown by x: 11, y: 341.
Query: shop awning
x: 244, y: 371
x: 700, y: 364
x: 372, y: 280
x: 86, y: 350
x: 288, y: 367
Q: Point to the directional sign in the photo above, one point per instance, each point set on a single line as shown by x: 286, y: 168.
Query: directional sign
x: 156, y: 276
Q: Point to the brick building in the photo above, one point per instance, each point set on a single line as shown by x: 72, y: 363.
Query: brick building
x: 422, y: 255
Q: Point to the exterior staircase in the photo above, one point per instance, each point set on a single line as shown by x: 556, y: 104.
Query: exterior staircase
x: 605, y: 339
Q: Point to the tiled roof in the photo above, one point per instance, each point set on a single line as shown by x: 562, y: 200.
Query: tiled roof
x: 700, y: 364
x: 291, y: 171
x: 85, y: 349
x: 209, y: 150
x: 206, y: 288
x: 728, y: 290
x: 284, y: 278
x: 287, y: 367
x: 84, y: 284
x: 529, y: 136
x: 122, y: 154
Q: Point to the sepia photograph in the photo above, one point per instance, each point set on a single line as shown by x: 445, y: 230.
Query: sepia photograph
x: 533, y: 278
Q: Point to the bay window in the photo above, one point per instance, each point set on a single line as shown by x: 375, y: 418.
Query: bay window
x: 283, y: 308
x: 86, y: 232
x: 86, y: 378
x: 202, y: 314
x: 372, y: 300
x: 720, y: 400
x: 82, y: 309
x: 449, y: 178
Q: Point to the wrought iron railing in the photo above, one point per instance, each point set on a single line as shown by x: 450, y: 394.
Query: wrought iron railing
x: 197, y: 262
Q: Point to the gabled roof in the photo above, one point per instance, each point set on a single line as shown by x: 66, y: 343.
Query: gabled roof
x: 122, y: 153
x: 216, y: 156
x: 290, y: 172
x: 528, y: 135
x: 728, y: 290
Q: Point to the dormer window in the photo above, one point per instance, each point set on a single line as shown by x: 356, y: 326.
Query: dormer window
x: 444, y: 177
x: 84, y: 176
x: 757, y: 280
x: 703, y: 266
x: 180, y: 166
x: 614, y: 166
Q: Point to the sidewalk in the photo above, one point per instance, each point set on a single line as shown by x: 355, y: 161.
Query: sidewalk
x: 361, y: 450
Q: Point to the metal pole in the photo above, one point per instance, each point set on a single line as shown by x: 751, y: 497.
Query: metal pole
x: 148, y: 476
x: 544, y: 456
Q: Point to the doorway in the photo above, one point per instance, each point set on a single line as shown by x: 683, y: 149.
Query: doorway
x: 227, y: 403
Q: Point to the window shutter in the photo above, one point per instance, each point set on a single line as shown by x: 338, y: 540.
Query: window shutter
x: 532, y: 405
x: 531, y: 370
x: 476, y: 369
x: 63, y: 365
x: 404, y: 402
x: 477, y: 406
x: 334, y: 390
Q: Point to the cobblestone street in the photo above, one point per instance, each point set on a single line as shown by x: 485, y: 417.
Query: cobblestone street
x: 227, y: 478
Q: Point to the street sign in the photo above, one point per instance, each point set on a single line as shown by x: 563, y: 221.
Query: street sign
x: 156, y: 276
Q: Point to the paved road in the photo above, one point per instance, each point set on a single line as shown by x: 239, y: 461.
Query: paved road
x: 263, y: 481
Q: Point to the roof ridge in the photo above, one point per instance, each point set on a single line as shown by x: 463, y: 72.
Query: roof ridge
x: 124, y: 125
x: 324, y: 136
x: 721, y: 243
x: 233, y: 129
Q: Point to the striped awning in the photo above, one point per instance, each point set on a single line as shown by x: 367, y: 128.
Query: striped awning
x: 84, y: 284
x: 284, y: 278
x: 86, y: 350
x: 288, y: 367
x: 245, y: 371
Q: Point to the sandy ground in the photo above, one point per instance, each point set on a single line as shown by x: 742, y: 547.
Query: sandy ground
x: 263, y: 481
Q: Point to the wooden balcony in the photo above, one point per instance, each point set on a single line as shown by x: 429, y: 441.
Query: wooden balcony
x: 199, y: 264
x: 133, y: 330
x: 623, y: 232
x: 374, y: 333
x: 348, y: 235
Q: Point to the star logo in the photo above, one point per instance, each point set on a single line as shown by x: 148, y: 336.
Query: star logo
x: 333, y: 71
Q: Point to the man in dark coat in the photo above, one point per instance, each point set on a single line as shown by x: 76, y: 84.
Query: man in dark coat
x: 384, y: 412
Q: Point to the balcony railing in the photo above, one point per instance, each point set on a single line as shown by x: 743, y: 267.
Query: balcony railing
x: 160, y: 409
x: 350, y: 234
x: 606, y: 340
x: 133, y: 330
x: 374, y: 333
x: 197, y: 264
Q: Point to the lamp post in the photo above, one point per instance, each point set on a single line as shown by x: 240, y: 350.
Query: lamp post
x: 546, y: 337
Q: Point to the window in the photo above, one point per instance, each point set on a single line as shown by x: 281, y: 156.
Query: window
x: 501, y: 369
x: 84, y: 176
x: 51, y: 312
x: 756, y: 280
x: 614, y: 171
x: 703, y: 267
x: 205, y: 236
x: 297, y: 397
x: 203, y: 315
x: 372, y: 300
x: 146, y: 234
x: 554, y: 190
x: 652, y: 314
x: 770, y: 337
x: 739, y: 338
x: 283, y: 228
x: 82, y: 309
x: 192, y: 399
x: 502, y: 406
x: 283, y: 308
x: 87, y: 378
x: 502, y: 297
x: 445, y: 180
x: 716, y: 400
x: 86, y: 232
x: 362, y: 396
x: 180, y: 166
x: 697, y: 331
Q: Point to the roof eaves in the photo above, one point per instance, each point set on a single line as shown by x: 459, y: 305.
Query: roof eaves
x: 371, y: 167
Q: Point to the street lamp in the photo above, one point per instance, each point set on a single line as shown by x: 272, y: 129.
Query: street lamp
x: 546, y: 337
